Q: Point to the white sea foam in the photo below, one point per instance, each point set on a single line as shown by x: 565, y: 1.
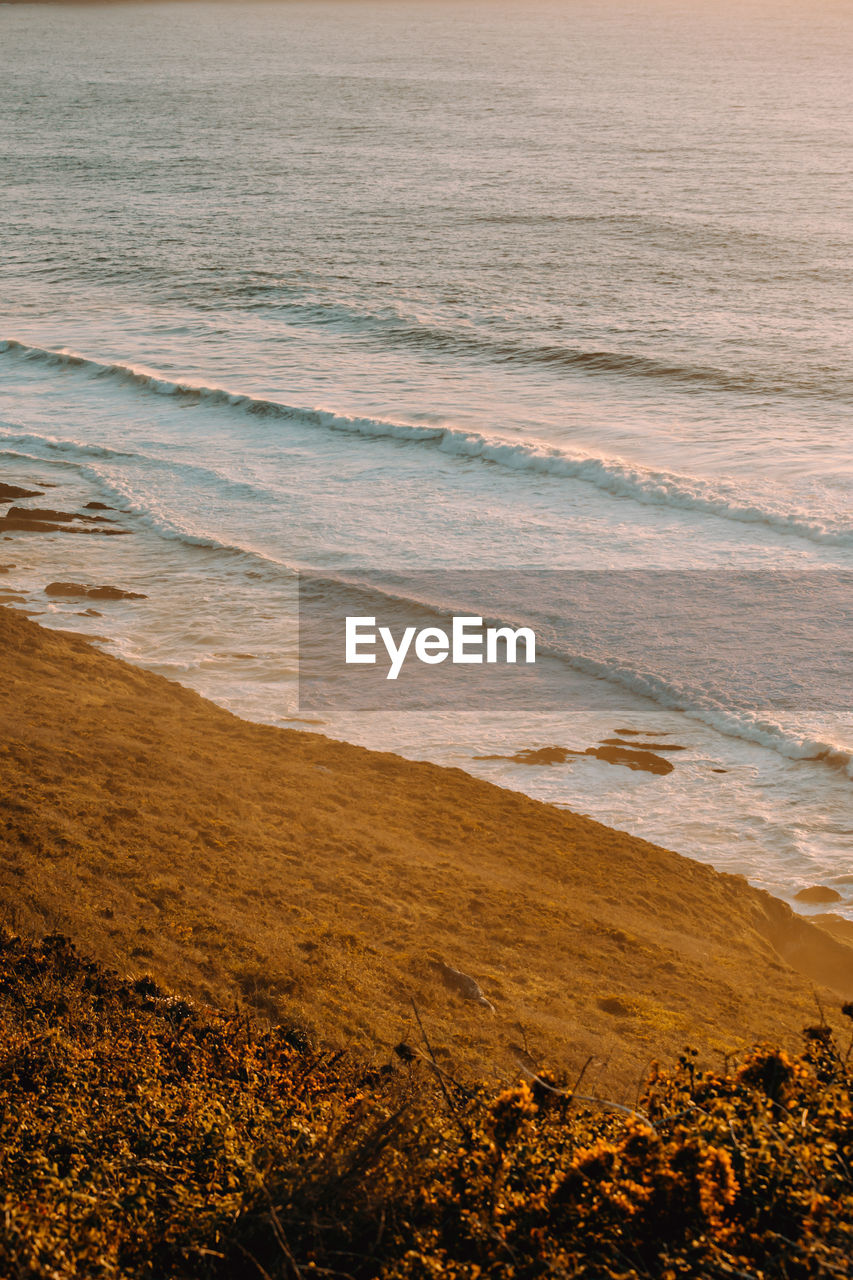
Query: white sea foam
x: 742, y: 724
x: 616, y: 476
x: 70, y: 453
x: 118, y: 490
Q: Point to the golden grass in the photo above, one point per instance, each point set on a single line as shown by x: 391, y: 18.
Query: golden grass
x: 316, y: 881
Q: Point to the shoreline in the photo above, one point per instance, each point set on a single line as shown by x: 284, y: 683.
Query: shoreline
x: 334, y: 886
x: 216, y: 626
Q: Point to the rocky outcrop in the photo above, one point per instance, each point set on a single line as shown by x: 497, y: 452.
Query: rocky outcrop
x: 47, y: 520
x: 12, y: 493
x: 633, y: 757
x: 818, y: 893
x: 93, y: 593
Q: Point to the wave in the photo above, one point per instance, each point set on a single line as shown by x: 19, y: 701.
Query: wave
x: 612, y: 475
x: 375, y: 596
x: 741, y: 723
x: 112, y: 487
x: 17, y: 456
x: 170, y: 531
x: 395, y: 328
x: 71, y: 451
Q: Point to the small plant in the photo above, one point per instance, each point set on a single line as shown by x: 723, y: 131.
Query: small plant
x: 143, y: 1138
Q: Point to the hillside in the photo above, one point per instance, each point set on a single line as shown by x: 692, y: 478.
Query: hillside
x: 326, y: 885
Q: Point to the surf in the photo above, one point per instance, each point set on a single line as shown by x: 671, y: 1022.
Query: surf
x: 616, y: 476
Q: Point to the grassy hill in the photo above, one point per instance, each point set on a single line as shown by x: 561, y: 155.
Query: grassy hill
x: 326, y: 885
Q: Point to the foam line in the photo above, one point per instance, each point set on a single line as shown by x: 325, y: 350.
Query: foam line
x: 616, y: 476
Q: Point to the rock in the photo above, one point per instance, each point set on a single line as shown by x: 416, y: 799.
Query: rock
x: 42, y: 513
x: 11, y: 493
x: 24, y: 524
x: 93, y: 593
x: 535, y: 756
x: 46, y: 520
x: 818, y: 893
x: 114, y: 593
x: 542, y: 755
x: 5, y: 568
x: 65, y: 589
x: 97, y: 506
x: 47, y: 513
x: 634, y: 757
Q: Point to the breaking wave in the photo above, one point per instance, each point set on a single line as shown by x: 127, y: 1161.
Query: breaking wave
x: 616, y: 476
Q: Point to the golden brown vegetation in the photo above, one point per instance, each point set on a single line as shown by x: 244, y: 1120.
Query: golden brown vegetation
x: 318, y: 883
x: 143, y: 1138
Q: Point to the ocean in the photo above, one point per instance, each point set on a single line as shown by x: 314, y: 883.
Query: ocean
x: 428, y: 297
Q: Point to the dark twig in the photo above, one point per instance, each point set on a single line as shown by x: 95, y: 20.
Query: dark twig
x: 583, y: 1097
x: 454, y: 1111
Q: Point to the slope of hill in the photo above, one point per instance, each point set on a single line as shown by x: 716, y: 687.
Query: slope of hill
x: 333, y: 887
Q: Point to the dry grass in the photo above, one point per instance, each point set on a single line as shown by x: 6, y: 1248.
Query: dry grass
x: 314, y: 882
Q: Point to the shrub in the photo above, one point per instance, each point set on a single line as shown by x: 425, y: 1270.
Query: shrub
x: 143, y: 1137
